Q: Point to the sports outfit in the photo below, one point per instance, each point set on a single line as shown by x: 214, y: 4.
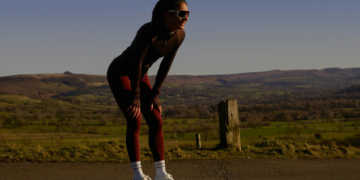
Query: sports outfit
x: 129, y: 82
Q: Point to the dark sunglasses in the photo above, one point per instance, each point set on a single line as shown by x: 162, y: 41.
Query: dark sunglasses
x: 181, y: 13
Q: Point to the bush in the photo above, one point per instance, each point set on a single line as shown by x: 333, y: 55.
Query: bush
x: 93, y: 130
x: 318, y: 136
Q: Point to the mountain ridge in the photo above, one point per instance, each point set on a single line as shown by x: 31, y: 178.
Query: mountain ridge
x: 48, y: 85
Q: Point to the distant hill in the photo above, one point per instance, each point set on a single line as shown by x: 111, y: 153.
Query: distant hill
x: 68, y: 84
x: 47, y: 85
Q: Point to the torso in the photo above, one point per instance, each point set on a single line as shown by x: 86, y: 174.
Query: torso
x: 160, y: 44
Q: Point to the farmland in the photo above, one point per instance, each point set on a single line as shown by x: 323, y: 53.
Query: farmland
x: 72, y: 111
x: 58, y: 123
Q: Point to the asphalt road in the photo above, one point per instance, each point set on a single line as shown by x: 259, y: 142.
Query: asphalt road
x: 191, y: 170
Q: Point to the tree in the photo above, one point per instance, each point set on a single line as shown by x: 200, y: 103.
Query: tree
x: 19, y: 120
x: 103, y: 119
x: 76, y: 115
x: 207, y: 129
x: 1, y: 121
x: 298, y: 130
x: 181, y: 133
x: 185, y: 121
x: 192, y: 113
x: 340, y: 126
x: 356, y: 124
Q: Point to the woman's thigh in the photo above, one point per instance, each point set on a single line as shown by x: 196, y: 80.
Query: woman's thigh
x: 121, y: 89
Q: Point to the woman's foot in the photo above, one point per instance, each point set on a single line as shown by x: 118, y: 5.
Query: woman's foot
x: 166, y: 177
x: 144, y: 178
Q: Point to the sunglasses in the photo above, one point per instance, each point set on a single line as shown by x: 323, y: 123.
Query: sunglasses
x: 181, y: 13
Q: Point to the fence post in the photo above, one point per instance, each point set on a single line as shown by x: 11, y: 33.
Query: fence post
x: 175, y: 129
x: 198, y: 141
x: 229, y: 124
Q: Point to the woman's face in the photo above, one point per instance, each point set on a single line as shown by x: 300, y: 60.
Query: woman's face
x: 173, y: 22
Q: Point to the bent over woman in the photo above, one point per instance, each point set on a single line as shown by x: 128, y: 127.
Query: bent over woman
x: 130, y: 85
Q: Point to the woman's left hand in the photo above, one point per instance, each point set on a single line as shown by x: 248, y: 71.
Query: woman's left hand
x: 152, y: 107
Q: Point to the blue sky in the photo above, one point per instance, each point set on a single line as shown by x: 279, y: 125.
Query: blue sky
x: 222, y: 37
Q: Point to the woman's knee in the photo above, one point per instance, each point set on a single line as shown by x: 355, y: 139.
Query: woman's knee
x: 134, y: 125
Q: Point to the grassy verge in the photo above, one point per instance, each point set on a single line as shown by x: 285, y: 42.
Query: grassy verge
x: 112, y: 151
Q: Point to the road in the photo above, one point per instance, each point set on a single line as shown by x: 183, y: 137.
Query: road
x: 231, y: 169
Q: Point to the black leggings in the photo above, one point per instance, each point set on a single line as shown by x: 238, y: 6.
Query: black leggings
x: 121, y: 89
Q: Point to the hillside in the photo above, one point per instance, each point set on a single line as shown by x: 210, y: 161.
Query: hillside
x: 69, y: 84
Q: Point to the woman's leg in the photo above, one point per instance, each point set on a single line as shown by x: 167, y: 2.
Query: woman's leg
x: 121, y: 90
x: 153, y: 119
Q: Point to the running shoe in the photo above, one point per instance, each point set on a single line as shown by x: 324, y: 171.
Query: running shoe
x: 166, y: 177
x: 145, y: 178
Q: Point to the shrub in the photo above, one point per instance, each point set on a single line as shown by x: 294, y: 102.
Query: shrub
x: 93, y: 130
x: 318, y: 136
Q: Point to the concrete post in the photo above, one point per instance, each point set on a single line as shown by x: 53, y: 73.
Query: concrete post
x: 229, y: 124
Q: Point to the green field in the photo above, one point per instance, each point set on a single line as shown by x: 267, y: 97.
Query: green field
x: 70, y: 129
x: 48, y: 135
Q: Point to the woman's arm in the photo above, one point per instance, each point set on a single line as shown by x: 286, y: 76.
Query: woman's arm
x: 164, y: 69
x: 140, y: 47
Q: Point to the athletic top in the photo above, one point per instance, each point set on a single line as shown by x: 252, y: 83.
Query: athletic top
x: 150, y: 43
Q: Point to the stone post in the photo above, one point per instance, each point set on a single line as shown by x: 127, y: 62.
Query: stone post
x: 229, y: 124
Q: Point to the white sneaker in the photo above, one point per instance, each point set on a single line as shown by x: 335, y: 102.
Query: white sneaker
x: 145, y: 178
x: 166, y: 177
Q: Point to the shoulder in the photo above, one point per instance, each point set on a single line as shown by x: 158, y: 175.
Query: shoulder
x: 146, y: 27
x: 146, y: 30
x: 181, y: 35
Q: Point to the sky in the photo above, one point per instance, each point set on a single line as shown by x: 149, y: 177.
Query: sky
x: 222, y: 36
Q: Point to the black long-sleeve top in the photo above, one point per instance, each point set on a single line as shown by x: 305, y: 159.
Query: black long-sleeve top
x: 151, y: 42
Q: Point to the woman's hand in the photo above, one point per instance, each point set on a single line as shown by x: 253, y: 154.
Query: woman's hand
x: 134, y: 111
x: 152, y: 107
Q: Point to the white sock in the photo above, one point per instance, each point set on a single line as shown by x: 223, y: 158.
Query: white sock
x: 136, y: 167
x: 160, y: 168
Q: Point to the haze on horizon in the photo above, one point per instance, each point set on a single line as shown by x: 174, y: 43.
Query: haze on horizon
x: 222, y: 37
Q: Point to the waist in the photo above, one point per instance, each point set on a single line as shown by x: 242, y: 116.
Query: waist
x: 116, y: 70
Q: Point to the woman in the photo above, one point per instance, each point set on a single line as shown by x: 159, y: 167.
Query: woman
x: 129, y: 82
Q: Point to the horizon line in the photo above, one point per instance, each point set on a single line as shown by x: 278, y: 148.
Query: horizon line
x: 195, y: 75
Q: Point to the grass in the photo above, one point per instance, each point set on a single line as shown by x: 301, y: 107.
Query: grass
x: 36, y: 143
x: 4, y: 104
x: 89, y: 97
x: 113, y: 151
x: 17, y: 99
x: 45, y: 134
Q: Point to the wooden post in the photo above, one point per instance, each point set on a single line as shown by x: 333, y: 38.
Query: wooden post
x: 229, y: 124
x: 175, y: 129
x: 198, y: 141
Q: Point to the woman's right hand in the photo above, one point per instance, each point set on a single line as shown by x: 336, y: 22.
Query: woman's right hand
x: 134, y: 111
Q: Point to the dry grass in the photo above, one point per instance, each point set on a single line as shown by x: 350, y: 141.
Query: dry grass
x: 112, y: 151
